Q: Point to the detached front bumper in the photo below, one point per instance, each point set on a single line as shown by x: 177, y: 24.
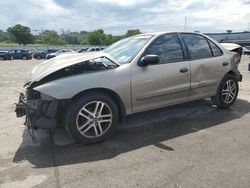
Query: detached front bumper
x: 40, y: 114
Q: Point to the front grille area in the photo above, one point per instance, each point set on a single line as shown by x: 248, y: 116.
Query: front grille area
x: 32, y: 94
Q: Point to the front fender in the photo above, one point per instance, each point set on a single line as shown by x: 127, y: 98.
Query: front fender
x: 117, y: 80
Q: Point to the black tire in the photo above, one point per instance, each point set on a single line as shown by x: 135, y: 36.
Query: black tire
x: 38, y: 57
x: 72, y: 117
x: 221, y: 98
x: 24, y: 58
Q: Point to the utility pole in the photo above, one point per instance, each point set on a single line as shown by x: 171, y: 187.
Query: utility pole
x: 185, y: 23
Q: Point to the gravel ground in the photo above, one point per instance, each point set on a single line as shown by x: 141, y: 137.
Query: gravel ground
x: 188, y: 145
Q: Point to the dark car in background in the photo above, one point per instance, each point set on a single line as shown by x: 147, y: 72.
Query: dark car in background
x: 42, y: 54
x: 3, y: 52
x: 16, y: 54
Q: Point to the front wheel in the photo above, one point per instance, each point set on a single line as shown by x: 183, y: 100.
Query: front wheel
x: 92, y: 118
x: 227, y: 92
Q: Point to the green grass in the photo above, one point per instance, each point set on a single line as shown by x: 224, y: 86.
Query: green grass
x: 15, y: 44
x: 8, y: 44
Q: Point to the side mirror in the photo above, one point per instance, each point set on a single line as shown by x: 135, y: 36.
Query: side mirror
x: 149, y: 60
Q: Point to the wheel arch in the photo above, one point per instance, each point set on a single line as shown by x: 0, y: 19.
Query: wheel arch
x: 236, y: 74
x: 109, y: 92
x: 231, y: 73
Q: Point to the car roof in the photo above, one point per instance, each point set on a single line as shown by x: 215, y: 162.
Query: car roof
x: 167, y: 32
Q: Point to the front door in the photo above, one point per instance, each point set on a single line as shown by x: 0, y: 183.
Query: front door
x: 165, y: 83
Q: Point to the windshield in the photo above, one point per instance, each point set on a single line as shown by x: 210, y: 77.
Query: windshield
x: 124, y: 50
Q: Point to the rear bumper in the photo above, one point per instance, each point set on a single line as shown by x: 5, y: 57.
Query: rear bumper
x: 39, y: 114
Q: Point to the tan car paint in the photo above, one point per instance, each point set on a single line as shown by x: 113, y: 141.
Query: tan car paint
x: 143, y: 88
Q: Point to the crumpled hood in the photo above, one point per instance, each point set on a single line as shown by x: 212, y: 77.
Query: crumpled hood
x: 52, y: 65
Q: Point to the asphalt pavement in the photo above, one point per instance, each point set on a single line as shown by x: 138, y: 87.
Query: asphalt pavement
x: 188, y: 145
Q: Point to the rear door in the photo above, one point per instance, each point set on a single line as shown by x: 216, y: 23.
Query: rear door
x: 165, y: 83
x: 19, y: 54
x: 208, y: 65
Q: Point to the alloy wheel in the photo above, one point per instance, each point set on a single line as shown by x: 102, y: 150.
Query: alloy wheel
x: 94, y: 119
x: 229, y: 91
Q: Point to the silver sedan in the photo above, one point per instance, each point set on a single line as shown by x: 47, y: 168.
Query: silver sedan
x: 91, y: 93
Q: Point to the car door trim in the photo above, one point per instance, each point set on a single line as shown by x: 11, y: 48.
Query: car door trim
x: 162, y: 94
x: 203, y: 84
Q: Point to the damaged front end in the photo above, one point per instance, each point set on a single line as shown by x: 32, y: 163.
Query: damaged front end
x: 43, y: 111
x: 40, y: 110
x: 236, y: 51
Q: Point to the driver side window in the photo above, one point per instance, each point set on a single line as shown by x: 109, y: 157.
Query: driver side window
x: 167, y: 47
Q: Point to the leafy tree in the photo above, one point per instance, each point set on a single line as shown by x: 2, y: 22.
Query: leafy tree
x: 71, y: 37
x: 51, y: 37
x: 37, y: 39
x: 133, y: 32
x: 21, y: 34
x: 96, y: 37
x: 4, y: 36
x: 110, y: 39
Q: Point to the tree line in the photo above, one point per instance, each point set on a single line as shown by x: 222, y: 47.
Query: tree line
x: 22, y: 35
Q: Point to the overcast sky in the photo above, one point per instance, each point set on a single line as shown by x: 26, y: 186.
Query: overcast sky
x: 117, y: 16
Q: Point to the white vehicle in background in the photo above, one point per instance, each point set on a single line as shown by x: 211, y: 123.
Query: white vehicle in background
x: 90, y: 49
x: 246, y: 51
x: 59, y: 52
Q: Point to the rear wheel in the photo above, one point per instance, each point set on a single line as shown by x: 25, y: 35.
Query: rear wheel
x: 1, y: 58
x: 24, y: 57
x: 92, y: 118
x: 227, y: 92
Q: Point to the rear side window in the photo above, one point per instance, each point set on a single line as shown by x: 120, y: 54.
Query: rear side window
x: 167, y: 47
x: 215, y: 49
x: 198, y: 46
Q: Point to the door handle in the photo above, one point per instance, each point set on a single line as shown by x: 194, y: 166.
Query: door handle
x: 225, y: 63
x: 183, y: 70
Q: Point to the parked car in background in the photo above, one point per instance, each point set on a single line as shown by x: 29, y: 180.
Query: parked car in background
x: 90, y: 49
x: 16, y: 54
x: 3, y: 52
x: 59, y: 52
x: 246, y: 51
x: 91, y: 93
x: 82, y: 50
x: 42, y: 54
